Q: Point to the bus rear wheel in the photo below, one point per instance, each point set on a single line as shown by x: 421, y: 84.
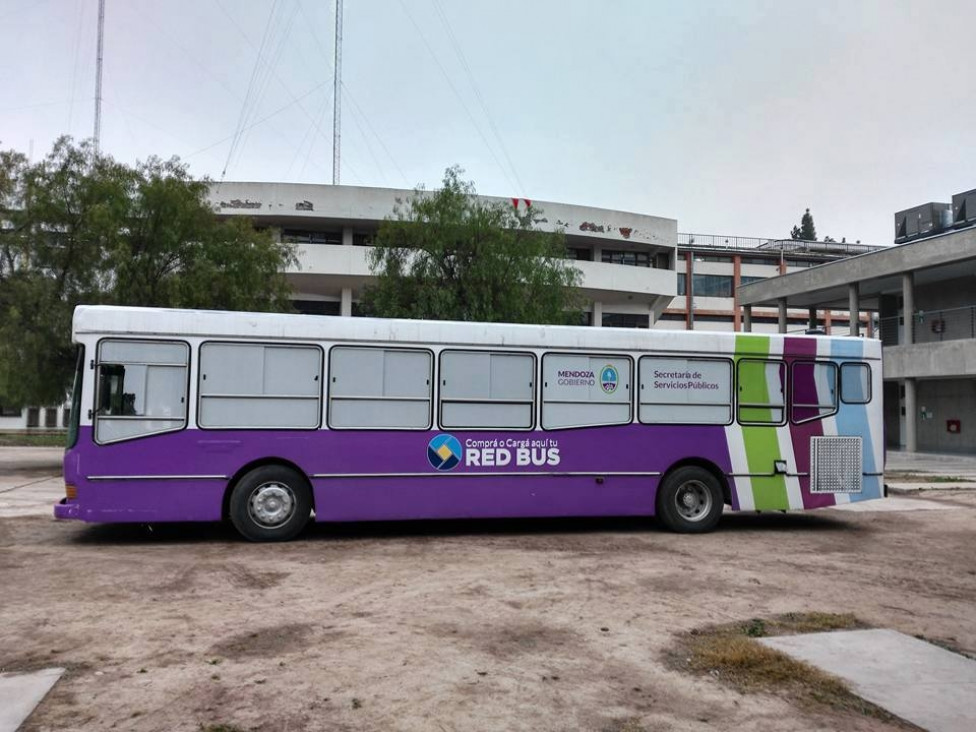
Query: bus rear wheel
x: 689, y: 500
x: 270, y: 503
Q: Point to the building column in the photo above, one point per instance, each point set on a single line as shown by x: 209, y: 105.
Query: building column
x: 736, y: 280
x: 597, y: 314
x: 911, y: 415
x: 781, y: 304
x: 828, y: 320
x: 347, y: 236
x: 908, y: 308
x: 854, y: 308
x: 651, y: 319
x: 747, y: 318
x: 345, y: 304
x: 812, y: 319
x: 689, y: 290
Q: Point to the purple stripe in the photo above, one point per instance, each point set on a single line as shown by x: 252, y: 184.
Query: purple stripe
x: 800, y: 434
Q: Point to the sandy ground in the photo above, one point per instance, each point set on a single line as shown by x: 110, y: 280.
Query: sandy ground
x: 545, y: 625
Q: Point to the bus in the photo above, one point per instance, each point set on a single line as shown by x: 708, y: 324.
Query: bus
x: 269, y: 420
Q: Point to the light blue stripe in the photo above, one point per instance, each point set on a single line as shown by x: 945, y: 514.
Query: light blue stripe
x: 852, y: 419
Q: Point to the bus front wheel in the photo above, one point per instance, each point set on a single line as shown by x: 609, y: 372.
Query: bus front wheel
x: 270, y: 503
x: 689, y: 500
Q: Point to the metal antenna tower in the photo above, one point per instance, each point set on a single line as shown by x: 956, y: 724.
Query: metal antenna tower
x: 98, y: 75
x: 337, y: 94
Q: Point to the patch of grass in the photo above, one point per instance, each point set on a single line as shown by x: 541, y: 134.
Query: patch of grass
x: 37, y: 440
x: 730, y: 654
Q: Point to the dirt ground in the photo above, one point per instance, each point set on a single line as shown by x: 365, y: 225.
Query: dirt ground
x: 531, y: 625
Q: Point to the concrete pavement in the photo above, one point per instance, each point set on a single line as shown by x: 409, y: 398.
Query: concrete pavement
x: 20, y: 693
x: 908, y: 472
x: 30, y: 480
x: 917, y: 681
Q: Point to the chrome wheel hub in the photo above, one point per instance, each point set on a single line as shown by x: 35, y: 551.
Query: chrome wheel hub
x: 693, y: 500
x: 271, y: 504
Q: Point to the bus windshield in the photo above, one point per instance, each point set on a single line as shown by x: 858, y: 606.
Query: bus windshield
x: 76, y: 397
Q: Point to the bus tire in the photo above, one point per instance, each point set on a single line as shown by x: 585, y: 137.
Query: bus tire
x: 270, y: 503
x: 689, y: 500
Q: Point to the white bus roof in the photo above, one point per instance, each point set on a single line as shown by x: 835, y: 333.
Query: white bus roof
x: 105, y: 320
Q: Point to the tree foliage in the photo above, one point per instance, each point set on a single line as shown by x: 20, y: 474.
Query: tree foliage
x: 806, y: 230
x: 79, y: 228
x: 449, y: 255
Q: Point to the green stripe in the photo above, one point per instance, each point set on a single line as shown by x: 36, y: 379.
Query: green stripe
x: 761, y: 445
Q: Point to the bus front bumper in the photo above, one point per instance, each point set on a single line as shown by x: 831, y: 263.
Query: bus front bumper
x: 65, y: 510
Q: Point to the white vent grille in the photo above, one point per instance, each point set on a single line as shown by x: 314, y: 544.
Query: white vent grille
x: 835, y: 465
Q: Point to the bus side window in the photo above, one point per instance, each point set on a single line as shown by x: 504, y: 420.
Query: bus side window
x: 855, y: 383
x: 814, y: 390
x: 583, y: 390
x: 253, y: 385
x: 762, y: 391
x: 485, y: 390
x: 141, y: 388
x: 380, y: 388
x: 685, y: 390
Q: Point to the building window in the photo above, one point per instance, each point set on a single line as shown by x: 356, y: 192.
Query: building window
x: 380, y: 388
x: 141, y: 388
x: 487, y: 390
x: 66, y: 417
x: 51, y: 417
x: 579, y: 254
x: 744, y: 280
x: 621, y: 256
x: 712, y: 285
x: 625, y: 320
x: 707, y: 285
x: 814, y: 390
x: 762, y: 391
x: 248, y: 385
x: 362, y: 239
x: 855, y: 383
x: 721, y: 258
x: 685, y: 391
x: 771, y: 261
x: 33, y: 417
x: 582, y: 390
x: 317, y: 307
x: 10, y: 411
x: 303, y: 236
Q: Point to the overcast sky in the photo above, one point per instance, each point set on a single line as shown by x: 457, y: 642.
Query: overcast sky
x: 731, y: 117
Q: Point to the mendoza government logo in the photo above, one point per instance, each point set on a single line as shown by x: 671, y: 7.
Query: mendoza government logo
x: 444, y: 452
x: 609, y: 379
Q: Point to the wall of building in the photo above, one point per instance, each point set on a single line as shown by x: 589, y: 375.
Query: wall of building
x: 940, y: 400
x: 34, y: 419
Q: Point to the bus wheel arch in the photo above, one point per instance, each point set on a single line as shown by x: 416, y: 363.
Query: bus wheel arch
x: 691, y: 496
x: 269, y: 500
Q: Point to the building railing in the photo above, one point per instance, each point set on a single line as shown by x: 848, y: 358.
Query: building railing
x: 930, y: 326
x: 791, y: 246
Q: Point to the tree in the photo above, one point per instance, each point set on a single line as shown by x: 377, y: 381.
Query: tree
x: 449, y: 255
x: 80, y: 228
x: 806, y: 230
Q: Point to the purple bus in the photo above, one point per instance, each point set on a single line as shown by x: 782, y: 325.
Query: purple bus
x: 267, y: 420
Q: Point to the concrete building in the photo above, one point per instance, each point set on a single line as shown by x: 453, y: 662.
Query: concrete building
x: 719, y: 265
x: 637, y: 270
x: 924, y: 292
x: 627, y: 260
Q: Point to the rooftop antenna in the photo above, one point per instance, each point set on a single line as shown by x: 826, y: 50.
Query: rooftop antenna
x: 337, y: 94
x: 98, y: 75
